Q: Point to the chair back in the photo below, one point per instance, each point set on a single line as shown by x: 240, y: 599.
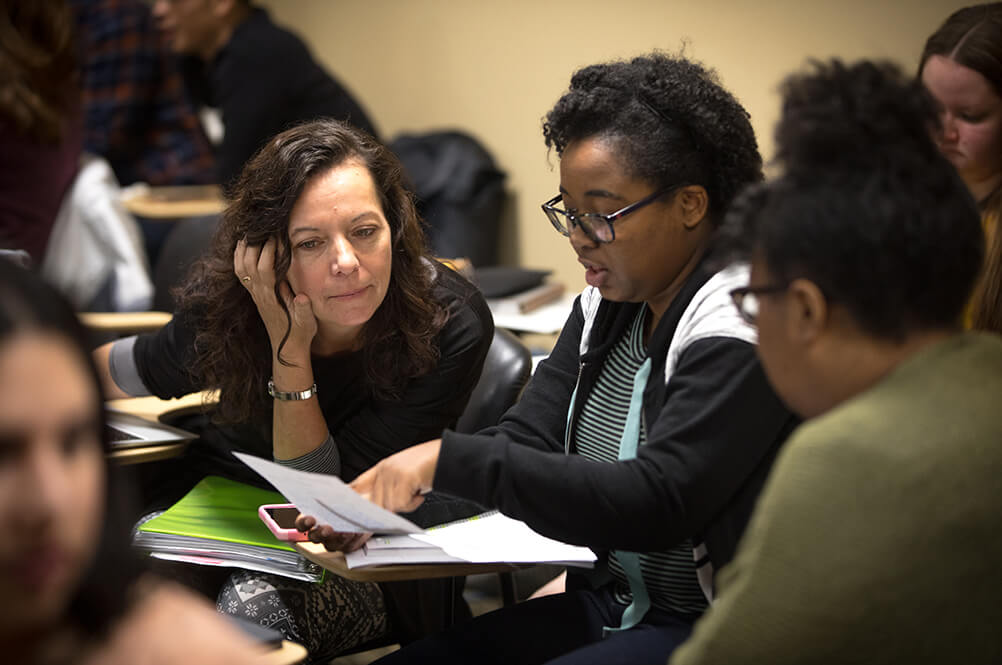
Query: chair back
x: 505, y: 373
x: 186, y: 242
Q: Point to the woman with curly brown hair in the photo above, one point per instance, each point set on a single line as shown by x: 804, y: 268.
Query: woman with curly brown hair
x: 333, y: 338
x: 650, y: 429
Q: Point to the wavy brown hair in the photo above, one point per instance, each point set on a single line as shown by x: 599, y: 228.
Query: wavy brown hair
x: 972, y: 37
x: 232, y: 348
x: 38, y: 67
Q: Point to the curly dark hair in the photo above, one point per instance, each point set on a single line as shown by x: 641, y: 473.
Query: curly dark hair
x: 867, y: 208
x: 972, y: 37
x: 232, y: 348
x: 669, y: 118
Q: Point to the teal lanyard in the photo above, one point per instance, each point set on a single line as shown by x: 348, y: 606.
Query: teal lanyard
x: 630, y: 561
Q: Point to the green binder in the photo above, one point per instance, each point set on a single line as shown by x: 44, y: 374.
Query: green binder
x: 220, y: 509
x: 217, y: 524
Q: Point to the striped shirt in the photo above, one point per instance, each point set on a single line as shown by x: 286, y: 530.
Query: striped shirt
x: 670, y: 576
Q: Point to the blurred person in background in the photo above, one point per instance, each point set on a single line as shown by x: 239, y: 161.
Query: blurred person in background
x: 961, y: 66
x: 136, y: 111
x: 40, y: 120
x: 261, y: 78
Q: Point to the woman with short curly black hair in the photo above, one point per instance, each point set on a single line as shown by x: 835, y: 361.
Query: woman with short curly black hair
x: 649, y: 430
x: 876, y: 539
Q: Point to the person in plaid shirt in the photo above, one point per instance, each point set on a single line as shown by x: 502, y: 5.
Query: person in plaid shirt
x: 137, y: 114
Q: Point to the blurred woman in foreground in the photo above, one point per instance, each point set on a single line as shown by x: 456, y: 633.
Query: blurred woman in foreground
x: 71, y: 590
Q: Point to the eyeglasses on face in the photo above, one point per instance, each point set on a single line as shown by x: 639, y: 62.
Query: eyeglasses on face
x: 597, y: 226
x: 746, y: 299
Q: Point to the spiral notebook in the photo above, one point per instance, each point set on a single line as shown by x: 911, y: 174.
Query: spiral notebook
x: 217, y: 524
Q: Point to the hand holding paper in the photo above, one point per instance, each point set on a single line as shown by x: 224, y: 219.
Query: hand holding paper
x: 334, y: 541
x: 329, y: 499
x: 344, y: 520
x: 399, y: 481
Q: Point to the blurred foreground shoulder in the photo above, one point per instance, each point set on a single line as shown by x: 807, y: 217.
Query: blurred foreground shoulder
x: 168, y: 624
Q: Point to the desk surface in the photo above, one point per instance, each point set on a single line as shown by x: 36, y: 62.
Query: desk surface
x: 287, y: 654
x: 125, y: 322
x: 334, y: 562
x: 548, y: 319
x: 175, y: 202
x: 156, y: 409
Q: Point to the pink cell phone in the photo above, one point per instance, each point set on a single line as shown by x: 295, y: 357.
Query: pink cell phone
x: 280, y: 519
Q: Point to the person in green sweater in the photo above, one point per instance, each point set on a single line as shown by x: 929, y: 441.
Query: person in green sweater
x: 877, y: 538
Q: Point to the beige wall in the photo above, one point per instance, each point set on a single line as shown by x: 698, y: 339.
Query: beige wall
x: 495, y: 68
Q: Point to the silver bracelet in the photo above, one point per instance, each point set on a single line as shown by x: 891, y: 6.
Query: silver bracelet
x: 291, y: 396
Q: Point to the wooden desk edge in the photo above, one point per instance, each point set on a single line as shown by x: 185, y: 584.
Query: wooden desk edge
x: 125, y: 322
x: 173, y: 209
x: 172, y: 202
x: 334, y: 562
x: 154, y: 408
x: 146, y: 453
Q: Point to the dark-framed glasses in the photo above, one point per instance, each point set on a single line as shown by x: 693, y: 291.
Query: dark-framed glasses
x: 597, y: 226
x: 747, y: 301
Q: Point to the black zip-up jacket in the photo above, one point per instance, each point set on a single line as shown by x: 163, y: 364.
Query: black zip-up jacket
x: 713, y: 432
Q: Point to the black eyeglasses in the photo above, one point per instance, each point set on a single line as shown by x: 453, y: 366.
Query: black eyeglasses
x: 746, y: 299
x: 597, y: 227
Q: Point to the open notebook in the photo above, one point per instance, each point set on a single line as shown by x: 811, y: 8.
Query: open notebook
x: 125, y: 430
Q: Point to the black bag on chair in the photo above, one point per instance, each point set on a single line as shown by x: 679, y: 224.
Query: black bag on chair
x: 460, y: 193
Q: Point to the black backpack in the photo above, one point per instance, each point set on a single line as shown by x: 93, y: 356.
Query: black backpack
x: 459, y: 190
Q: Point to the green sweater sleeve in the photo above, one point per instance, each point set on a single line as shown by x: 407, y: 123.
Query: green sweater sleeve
x: 803, y: 577
x: 876, y: 538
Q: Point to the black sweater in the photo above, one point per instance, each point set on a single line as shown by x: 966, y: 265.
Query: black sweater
x: 264, y: 81
x: 366, y: 429
x: 712, y: 434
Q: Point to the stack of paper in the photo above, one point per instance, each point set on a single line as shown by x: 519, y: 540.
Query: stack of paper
x: 487, y: 538
x: 216, y: 524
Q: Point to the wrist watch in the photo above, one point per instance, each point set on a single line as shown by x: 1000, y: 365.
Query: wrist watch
x: 291, y: 396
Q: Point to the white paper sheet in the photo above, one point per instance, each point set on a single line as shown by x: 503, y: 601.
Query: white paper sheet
x: 493, y: 537
x: 548, y: 319
x: 328, y: 499
x: 487, y: 538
